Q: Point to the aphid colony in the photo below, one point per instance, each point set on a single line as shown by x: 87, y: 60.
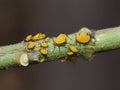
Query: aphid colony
x: 59, y: 40
x: 33, y: 42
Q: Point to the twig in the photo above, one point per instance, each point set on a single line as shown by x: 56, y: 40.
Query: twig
x: 39, y: 49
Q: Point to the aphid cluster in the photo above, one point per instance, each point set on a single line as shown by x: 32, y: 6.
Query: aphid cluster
x: 61, y: 39
x: 32, y: 44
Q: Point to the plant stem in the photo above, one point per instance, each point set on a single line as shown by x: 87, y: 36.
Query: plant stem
x: 107, y: 39
x: 20, y: 55
x: 9, y: 55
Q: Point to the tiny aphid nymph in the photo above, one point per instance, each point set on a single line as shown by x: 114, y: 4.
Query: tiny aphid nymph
x: 47, y: 39
x: 73, y: 48
x: 70, y: 53
x: 28, y: 38
x: 38, y: 36
x: 43, y: 51
x: 44, y: 45
x: 42, y: 60
x: 37, y: 48
x: 31, y: 45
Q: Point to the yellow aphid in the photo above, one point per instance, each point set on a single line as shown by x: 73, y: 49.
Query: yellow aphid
x: 37, y: 48
x: 31, y: 45
x: 73, y: 48
x: 60, y: 39
x: 38, y: 36
x: 47, y: 39
x: 70, y: 53
x: 35, y: 37
x: 41, y: 60
x: 41, y: 36
x: 83, y: 38
x: 28, y: 38
x: 43, y: 51
x: 44, y: 45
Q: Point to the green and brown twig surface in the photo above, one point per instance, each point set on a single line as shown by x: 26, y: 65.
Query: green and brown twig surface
x: 39, y: 48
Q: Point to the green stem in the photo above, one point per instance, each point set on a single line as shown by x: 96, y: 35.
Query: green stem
x: 9, y: 55
x: 105, y: 39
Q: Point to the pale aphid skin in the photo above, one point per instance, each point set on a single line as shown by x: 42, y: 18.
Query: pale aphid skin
x: 24, y: 59
x: 85, y: 30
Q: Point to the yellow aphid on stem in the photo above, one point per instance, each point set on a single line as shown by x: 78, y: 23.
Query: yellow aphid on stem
x: 28, y: 38
x: 83, y: 38
x: 44, y: 45
x: 47, y: 39
x: 37, y: 48
x: 38, y: 36
x: 35, y: 37
x: 73, y: 48
x: 41, y: 60
x: 43, y: 51
x: 70, y: 53
x: 60, y: 39
x: 31, y: 45
x: 41, y: 36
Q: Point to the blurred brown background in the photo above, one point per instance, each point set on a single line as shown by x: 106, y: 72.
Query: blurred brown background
x: 21, y: 17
